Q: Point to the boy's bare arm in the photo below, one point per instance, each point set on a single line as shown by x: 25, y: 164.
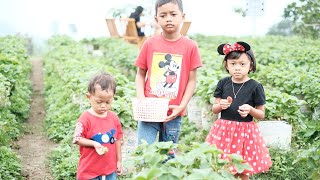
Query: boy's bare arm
x: 191, y: 86
x: 119, y: 154
x: 87, y: 143
x: 119, y: 157
x: 140, y: 82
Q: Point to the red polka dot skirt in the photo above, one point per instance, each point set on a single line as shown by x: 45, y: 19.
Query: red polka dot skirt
x: 243, y: 138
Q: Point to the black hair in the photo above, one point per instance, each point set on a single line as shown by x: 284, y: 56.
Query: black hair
x: 163, y: 2
x: 104, y: 80
x: 137, y: 12
x: 237, y: 54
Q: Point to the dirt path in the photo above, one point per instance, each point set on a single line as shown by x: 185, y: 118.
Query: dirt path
x: 33, y: 147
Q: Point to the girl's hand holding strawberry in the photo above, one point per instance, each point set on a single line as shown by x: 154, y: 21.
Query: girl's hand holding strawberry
x: 244, y: 110
x: 225, y: 103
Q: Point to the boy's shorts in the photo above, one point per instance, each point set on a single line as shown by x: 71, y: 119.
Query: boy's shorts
x: 112, y: 176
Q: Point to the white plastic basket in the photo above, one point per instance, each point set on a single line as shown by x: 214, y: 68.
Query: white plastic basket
x: 150, y: 109
x: 276, y: 134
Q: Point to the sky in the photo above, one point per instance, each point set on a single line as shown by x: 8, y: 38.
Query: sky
x: 84, y: 18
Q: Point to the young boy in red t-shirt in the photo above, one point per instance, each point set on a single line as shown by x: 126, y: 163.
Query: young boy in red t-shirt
x: 98, y: 133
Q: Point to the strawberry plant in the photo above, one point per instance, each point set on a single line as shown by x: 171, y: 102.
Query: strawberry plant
x: 311, y: 157
x: 9, y: 165
x: 201, y: 161
x: 15, y: 96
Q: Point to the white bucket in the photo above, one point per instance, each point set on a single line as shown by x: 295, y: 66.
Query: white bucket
x: 276, y: 134
x: 199, y: 113
x: 130, y: 143
x: 195, y: 111
x: 208, y: 118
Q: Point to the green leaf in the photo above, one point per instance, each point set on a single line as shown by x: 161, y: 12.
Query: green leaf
x: 309, y: 132
x: 154, y: 172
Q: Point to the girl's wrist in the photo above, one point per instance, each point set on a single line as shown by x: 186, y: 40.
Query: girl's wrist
x: 218, y: 105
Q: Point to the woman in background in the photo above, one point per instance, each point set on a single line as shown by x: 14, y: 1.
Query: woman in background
x: 136, y: 15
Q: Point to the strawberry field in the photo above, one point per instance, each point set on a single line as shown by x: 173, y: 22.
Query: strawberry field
x: 288, y: 68
x: 15, y: 92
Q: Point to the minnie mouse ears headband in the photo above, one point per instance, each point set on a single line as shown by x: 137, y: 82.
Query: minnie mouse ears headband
x: 225, y: 49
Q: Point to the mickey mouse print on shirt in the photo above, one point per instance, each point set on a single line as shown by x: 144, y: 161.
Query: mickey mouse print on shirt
x: 165, y: 75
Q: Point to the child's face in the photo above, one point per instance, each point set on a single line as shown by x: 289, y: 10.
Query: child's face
x: 101, y: 100
x: 239, y: 68
x: 169, y: 17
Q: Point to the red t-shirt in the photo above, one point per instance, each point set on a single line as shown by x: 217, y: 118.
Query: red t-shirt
x: 103, y: 130
x: 168, y: 64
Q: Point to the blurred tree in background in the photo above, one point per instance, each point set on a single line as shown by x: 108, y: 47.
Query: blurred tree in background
x: 306, y: 17
x: 283, y: 28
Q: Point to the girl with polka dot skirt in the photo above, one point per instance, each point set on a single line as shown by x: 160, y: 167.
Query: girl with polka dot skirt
x: 239, y: 99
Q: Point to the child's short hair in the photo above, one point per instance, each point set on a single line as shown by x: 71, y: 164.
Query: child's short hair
x: 237, y: 54
x: 163, y: 2
x: 104, y: 80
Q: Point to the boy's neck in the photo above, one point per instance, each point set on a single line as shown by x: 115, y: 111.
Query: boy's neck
x: 171, y: 37
x: 91, y: 111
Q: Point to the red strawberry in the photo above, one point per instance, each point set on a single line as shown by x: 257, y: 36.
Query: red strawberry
x: 229, y: 99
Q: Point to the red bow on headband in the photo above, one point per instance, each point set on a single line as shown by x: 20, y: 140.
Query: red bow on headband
x: 227, y: 48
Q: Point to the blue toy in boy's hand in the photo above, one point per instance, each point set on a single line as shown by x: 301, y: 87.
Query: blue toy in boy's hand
x: 105, y: 138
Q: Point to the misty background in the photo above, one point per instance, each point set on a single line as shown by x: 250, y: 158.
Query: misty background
x: 40, y: 19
